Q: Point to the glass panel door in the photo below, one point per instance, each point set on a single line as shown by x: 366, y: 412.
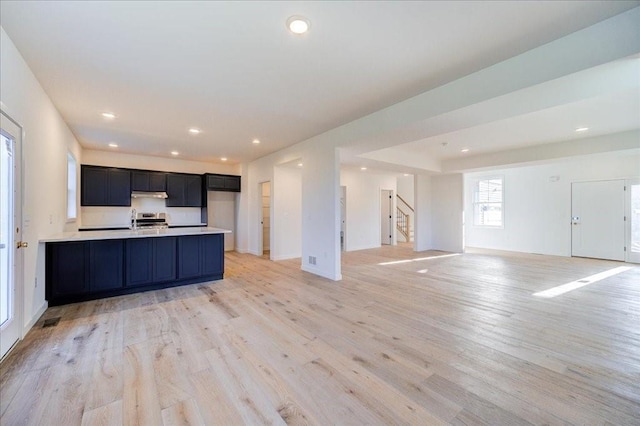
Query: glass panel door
x: 10, y: 233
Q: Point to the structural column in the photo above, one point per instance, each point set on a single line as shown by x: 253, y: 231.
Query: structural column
x: 321, y: 212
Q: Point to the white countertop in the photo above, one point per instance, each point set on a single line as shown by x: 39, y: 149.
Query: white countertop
x: 124, y: 234
x: 125, y: 226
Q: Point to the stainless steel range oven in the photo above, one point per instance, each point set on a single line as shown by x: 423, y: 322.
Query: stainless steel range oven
x: 144, y: 220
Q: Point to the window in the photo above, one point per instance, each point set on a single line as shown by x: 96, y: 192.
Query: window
x: 71, y: 188
x: 488, y: 197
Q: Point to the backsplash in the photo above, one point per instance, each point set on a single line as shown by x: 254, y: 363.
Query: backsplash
x: 121, y: 216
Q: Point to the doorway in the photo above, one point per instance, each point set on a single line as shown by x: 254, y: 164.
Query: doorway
x: 265, y: 217
x: 10, y: 233
x: 632, y: 216
x: 386, y: 216
x: 597, y: 219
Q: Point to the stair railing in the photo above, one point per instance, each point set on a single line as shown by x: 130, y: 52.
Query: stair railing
x: 403, y: 222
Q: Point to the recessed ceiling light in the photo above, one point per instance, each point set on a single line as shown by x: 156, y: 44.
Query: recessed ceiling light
x: 174, y: 153
x: 113, y: 145
x: 298, y: 24
x: 255, y: 141
x: 464, y: 150
x: 223, y: 158
x: 195, y: 131
x: 363, y: 168
x: 406, y: 174
x: 582, y: 129
x: 109, y: 115
x: 299, y: 164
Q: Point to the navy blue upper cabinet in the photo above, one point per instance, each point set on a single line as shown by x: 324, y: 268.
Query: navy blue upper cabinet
x: 227, y: 183
x: 142, y: 180
x: 105, y: 186
x: 184, y: 190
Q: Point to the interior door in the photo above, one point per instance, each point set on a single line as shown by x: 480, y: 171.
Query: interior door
x: 10, y: 234
x: 386, y: 204
x: 597, y: 219
x: 632, y: 221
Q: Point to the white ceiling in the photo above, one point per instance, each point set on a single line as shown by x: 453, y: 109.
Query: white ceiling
x: 604, y: 99
x: 234, y: 71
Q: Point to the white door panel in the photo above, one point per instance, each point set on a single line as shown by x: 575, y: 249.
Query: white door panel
x: 597, y: 222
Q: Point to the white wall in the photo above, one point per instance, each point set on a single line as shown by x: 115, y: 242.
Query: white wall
x: 422, y: 198
x: 446, y: 212
x: 363, y: 218
x: 405, y: 186
x: 46, y: 143
x: 438, y: 212
x: 321, y: 211
x: 221, y: 213
x: 537, y: 207
x: 287, y: 213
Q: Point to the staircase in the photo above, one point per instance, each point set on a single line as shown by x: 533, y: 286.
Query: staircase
x: 404, y: 213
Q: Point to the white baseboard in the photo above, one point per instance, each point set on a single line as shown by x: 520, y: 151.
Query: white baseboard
x: 35, y: 318
x: 287, y: 256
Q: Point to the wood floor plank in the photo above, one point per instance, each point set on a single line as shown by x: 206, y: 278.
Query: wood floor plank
x: 140, y: 395
x: 213, y: 401
x: 106, y: 415
x: 183, y: 413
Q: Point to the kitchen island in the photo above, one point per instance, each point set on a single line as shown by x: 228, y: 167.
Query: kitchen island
x: 95, y: 264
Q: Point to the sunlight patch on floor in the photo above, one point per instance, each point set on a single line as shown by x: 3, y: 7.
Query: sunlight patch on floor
x: 574, y: 285
x: 418, y: 259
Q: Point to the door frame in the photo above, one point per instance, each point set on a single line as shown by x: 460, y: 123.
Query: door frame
x: 261, y: 216
x: 18, y: 261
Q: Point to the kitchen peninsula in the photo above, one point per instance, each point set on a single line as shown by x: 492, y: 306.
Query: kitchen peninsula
x: 96, y: 264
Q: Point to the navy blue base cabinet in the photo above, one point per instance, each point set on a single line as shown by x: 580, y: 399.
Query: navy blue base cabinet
x: 86, y: 270
x: 150, y: 260
x: 208, y: 261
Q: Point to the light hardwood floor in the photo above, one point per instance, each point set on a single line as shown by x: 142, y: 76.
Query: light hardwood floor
x: 461, y: 343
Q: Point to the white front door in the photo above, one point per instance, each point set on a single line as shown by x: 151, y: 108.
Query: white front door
x: 386, y: 203
x: 633, y: 220
x: 597, y: 219
x: 10, y: 234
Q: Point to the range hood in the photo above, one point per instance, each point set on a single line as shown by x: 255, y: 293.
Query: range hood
x: 145, y: 194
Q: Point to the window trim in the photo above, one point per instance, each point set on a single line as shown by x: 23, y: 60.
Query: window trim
x: 474, y: 190
x: 71, y: 160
